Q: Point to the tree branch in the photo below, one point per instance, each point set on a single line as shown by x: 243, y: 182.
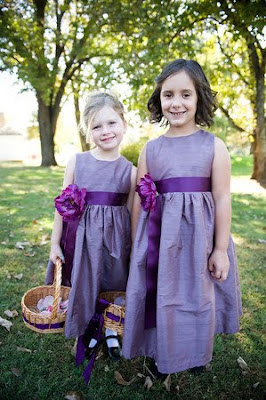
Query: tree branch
x: 183, y: 29
x: 230, y: 119
x: 228, y: 57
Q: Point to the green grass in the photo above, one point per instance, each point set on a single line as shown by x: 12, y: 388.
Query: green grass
x: 48, y: 372
x: 242, y: 165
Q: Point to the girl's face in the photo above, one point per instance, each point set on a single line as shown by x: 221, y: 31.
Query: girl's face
x: 179, y: 102
x: 107, y: 129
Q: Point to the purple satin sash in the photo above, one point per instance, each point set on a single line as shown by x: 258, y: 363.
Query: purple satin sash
x: 179, y: 184
x: 68, y: 238
x: 94, y: 330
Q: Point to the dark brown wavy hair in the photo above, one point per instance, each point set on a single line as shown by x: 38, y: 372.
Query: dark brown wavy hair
x: 206, y: 105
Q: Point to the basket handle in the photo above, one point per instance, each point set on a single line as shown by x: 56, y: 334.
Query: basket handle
x: 57, y: 286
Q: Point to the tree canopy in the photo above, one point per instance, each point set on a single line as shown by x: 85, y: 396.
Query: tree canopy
x: 49, y: 43
x: 46, y: 42
x: 226, y: 38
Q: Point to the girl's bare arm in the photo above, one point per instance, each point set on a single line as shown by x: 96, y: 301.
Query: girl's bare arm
x: 221, y: 173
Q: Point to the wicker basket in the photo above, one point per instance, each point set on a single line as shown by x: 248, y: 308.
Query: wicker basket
x: 114, y: 311
x: 54, y: 323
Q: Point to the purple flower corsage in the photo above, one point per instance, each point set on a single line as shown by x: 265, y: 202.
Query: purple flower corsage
x: 71, y: 202
x: 147, y: 192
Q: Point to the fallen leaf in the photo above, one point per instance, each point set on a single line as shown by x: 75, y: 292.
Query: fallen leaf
x: 167, y: 383
x: 148, y: 383
x: 148, y: 369
x: 74, y: 396
x: 140, y: 375
x: 30, y: 254
x: 23, y: 349
x: 21, y: 245
x: 208, y: 367
x: 244, y: 372
x: 18, y: 276
x: 242, y: 363
x: 261, y: 240
x: 74, y: 348
x: 16, y: 371
x: 11, y: 314
x: 106, y: 368
x: 256, y: 385
x: 121, y: 381
x: 177, y: 388
x: 99, y: 354
x: 4, y: 242
x: 45, y: 240
x: 5, y: 323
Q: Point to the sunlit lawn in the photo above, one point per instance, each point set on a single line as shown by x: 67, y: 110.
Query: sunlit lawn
x: 47, y: 372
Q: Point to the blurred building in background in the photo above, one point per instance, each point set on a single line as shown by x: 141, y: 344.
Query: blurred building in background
x: 12, y: 142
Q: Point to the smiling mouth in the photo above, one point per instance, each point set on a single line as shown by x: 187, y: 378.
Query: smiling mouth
x: 108, y: 138
x: 177, y: 113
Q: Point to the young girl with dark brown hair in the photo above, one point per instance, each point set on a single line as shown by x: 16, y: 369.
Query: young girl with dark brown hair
x: 183, y: 284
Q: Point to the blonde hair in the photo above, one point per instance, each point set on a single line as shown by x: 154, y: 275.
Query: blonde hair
x: 95, y: 101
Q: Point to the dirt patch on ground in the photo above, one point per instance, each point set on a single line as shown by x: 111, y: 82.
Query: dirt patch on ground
x: 242, y: 184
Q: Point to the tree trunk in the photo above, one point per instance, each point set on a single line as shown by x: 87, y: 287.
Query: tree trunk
x: 259, y: 168
x: 84, y: 145
x: 47, y: 123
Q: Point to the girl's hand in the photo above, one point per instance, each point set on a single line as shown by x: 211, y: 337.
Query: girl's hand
x: 56, y: 252
x: 219, y: 265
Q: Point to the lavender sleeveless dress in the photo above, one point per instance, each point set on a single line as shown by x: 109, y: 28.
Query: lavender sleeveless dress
x: 102, y: 246
x: 191, y: 305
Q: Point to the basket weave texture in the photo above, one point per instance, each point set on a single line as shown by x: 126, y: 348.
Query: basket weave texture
x: 115, y: 310
x: 33, y: 319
